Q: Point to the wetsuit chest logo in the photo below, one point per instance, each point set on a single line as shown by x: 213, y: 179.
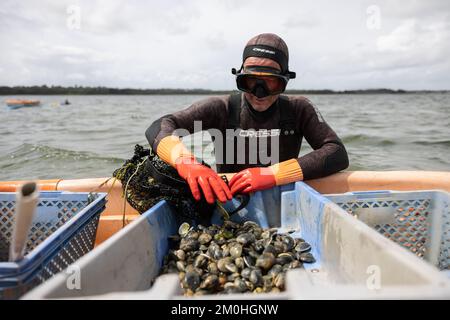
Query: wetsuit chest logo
x: 259, y: 133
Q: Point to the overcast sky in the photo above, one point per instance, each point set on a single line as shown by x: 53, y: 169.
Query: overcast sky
x: 195, y: 43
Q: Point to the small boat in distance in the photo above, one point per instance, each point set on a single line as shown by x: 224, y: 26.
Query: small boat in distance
x: 20, y: 103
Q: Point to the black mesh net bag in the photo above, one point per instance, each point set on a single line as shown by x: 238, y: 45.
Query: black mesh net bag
x: 146, y: 179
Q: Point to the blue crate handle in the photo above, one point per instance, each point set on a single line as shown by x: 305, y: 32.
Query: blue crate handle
x: 370, y: 194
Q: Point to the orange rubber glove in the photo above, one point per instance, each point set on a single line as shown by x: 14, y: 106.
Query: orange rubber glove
x: 173, y: 151
x: 255, y: 179
x: 197, y: 174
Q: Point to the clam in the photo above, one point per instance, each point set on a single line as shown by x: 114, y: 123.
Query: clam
x: 212, y: 268
x: 302, y: 247
x: 266, y: 234
x: 258, y: 290
x: 210, y: 282
x: 279, y: 247
x: 191, y: 280
x: 239, y: 262
x: 245, y: 273
x: 184, y: 229
x: 193, y: 235
x: 284, y: 258
x: 265, y: 261
x: 240, y: 285
x: 225, y: 250
x: 307, y: 257
x: 230, y: 224
x: 189, y: 268
x: 235, y: 250
x: 249, y: 261
x: 289, y: 242
x: 275, y: 270
x: 200, y: 261
x: 270, y: 248
x: 204, y: 238
x: 267, y: 283
x: 279, y: 281
x: 214, y: 251
x: 259, y: 245
x: 188, y: 244
x: 180, y: 266
x: 295, y: 264
x: 199, y: 271
x: 250, y: 225
x: 180, y: 254
x: 229, y: 287
x: 245, y: 238
x: 256, y: 277
x: 227, y: 234
x: 252, y: 253
x: 250, y: 286
x: 222, y: 264
x: 231, y: 267
x: 233, y: 276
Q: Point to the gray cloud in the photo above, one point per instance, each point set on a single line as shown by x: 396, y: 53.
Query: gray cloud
x: 194, y: 44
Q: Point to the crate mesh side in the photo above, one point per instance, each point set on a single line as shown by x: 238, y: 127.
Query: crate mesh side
x: 444, y: 256
x: 411, y: 225
x: 39, y: 230
x: 81, y: 243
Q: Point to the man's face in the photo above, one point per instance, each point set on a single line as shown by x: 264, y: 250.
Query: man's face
x: 261, y: 104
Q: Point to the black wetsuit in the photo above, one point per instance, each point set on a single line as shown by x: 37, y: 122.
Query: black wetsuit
x: 289, y: 119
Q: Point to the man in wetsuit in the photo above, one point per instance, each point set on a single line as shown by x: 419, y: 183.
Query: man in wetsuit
x: 248, y: 126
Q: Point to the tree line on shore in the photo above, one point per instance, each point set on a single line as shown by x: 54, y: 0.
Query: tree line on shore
x: 81, y: 90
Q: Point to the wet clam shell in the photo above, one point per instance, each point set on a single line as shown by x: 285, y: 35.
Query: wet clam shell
x: 256, y: 277
x: 235, y: 250
x: 265, y: 261
x: 204, y: 238
x: 307, y: 257
x: 191, y: 280
x: 303, y: 247
x: 246, y: 238
x: 210, y: 282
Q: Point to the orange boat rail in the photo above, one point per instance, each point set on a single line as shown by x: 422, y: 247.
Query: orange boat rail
x: 119, y: 213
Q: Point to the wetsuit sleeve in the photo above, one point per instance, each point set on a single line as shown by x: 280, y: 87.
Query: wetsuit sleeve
x: 163, y: 134
x: 329, y: 155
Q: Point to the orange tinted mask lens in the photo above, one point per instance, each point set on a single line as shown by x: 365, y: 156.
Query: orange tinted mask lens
x: 273, y: 84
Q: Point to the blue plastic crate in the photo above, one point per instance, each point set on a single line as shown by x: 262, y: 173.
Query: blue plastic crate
x: 63, y: 229
x: 417, y: 220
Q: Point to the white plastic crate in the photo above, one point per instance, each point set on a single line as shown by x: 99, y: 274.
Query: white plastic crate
x: 416, y: 220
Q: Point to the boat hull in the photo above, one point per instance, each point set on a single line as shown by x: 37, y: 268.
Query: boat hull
x: 16, y: 104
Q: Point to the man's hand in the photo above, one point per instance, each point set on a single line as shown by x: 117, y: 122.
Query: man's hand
x: 252, y: 179
x: 197, y: 174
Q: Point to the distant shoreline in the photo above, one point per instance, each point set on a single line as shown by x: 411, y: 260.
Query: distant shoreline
x: 57, y: 90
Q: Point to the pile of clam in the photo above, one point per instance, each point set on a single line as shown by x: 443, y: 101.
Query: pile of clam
x: 234, y: 258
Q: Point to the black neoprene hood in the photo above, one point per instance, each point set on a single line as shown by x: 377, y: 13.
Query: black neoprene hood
x: 271, y: 46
